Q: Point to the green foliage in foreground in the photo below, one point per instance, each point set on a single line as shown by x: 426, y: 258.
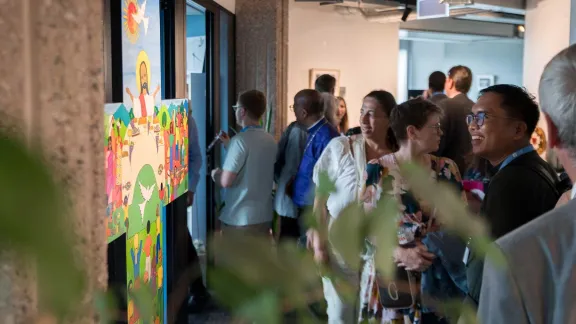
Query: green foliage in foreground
x: 261, y: 283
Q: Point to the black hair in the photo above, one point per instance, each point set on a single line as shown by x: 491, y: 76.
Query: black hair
x: 325, y: 83
x: 518, y: 104
x: 436, y: 81
x: 414, y: 112
x: 148, y: 227
x: 313, y: 99
x: 386, y: 100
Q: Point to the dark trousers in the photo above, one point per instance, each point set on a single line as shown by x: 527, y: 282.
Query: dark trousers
x: 289, y: 228
x: 182, y: 252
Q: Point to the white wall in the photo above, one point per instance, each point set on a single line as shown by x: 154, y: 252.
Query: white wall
x: 230, y: 5
x: 365, y: 53
x: 547, y: 33
x: 503, y: 60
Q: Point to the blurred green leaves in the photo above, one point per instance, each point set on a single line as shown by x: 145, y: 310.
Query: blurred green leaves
x: 260, y: 283
x: 33, y: 213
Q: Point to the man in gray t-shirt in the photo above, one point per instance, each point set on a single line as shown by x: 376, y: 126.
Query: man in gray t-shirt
x: 248, y: 171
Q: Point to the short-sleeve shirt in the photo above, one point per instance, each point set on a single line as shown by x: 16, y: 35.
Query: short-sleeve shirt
x: 251, y: 155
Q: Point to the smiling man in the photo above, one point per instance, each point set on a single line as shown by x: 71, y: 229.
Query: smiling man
x: 524, y: 186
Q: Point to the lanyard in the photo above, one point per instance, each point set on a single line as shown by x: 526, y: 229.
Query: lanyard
x: 312, y: 137
x: 249, y: 127
x: 516, y: 154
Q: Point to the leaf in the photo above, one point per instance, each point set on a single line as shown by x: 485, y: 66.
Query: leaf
x: 264, y: 308
x: 383, y: 229
x: 325, y: 185
x: 143, y: 298
x: 39, y: 229
x: 347, y: 235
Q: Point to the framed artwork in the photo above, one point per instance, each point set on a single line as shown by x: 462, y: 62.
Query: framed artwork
x: 485, y: 81
x: 315, y: 73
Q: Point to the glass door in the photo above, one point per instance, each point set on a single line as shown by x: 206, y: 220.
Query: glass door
x: 210, y: 66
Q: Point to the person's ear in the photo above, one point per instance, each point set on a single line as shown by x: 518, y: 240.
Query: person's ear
x: 520, y: 130
x: 412, y: 132
x: 553, y: 137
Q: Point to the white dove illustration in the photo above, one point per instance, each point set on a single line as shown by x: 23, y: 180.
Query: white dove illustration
x: 139, y: 17
x: 147, y: 194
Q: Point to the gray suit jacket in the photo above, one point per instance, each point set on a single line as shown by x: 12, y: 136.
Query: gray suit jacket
x: 538, y: 285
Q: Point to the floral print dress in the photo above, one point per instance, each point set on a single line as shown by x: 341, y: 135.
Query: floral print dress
x: 416, y: 219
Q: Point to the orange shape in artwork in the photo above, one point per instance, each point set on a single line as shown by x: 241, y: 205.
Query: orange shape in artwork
x: 130, y: 25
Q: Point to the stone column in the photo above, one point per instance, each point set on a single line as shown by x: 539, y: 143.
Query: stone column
x: 51, y: 90
x: 261, y: 53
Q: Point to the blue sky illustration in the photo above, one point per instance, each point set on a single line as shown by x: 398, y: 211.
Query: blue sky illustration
x: 150, y: 43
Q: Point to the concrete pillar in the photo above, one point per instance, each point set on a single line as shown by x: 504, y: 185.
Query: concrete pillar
x: 51, y: 90
x: 261, y: 53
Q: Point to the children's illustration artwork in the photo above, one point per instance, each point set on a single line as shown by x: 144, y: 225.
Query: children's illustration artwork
x: 174, y: 125
x: 146, y: 156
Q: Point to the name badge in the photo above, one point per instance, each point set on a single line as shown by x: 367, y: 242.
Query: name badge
x: 466, y: 255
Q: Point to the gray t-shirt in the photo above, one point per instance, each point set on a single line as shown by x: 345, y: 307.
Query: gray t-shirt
x: 251, y: 155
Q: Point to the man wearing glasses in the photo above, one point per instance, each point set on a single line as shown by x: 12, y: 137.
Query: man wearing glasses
x: 248, y: 171
x: 524, y: 186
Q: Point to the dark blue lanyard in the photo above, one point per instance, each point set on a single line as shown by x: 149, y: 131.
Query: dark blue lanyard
x: 248, y: 127
x: 516, y: 154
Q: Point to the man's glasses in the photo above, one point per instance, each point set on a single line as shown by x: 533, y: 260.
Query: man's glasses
x: 236, y: 107
x: 480, y: 117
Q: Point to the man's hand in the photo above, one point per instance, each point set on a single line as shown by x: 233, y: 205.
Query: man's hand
x: 224, y: 138
x: 190, y: 199
x: 315, y: 244
x: 414, y: 259
x: 215, y: 173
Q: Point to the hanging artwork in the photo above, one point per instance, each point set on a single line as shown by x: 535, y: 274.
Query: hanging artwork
x: 146, y: 143
x: 538, y: 140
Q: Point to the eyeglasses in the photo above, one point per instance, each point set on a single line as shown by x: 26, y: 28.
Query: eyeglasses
x: 291, y: 107
x: 436, y: 126
x: 236, y: 107
x: 480, y: 117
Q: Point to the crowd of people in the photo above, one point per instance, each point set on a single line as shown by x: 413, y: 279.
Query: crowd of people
x: 482, y: 148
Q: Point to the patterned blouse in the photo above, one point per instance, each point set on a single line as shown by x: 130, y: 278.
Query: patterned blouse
x: 446, y: 277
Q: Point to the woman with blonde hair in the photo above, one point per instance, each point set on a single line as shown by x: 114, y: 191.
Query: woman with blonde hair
x: 342, y: 115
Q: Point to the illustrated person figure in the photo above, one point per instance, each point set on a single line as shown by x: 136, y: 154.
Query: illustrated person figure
x: 144, y: 105
x: 135, y: 254
x: 147, y: 251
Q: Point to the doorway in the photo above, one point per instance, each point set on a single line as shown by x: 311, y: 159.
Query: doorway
x: 210, y: 66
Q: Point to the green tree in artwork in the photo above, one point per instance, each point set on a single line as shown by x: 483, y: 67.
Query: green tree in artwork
x: 131, y: 113
x: 164, y: 119
x: 146, y: 198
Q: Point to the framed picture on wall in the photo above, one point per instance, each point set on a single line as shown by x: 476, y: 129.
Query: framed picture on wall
x: 315, y: 73
x: 485, y: 81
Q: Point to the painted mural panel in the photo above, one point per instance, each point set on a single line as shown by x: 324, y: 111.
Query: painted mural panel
x: 174, y: 125
x: 143, y: 172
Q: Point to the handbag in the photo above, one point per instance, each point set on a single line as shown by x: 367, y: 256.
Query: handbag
x: 399, y: 292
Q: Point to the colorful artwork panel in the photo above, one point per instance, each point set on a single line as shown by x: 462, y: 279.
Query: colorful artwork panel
x: 143, y: 169
x: 173, y: 116
x: 114, y: 151
x: 145, y: 270
x: 141, y: 56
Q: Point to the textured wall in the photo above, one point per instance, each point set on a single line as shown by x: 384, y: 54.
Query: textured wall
x: 51, y: 90
x: 261, y: 52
